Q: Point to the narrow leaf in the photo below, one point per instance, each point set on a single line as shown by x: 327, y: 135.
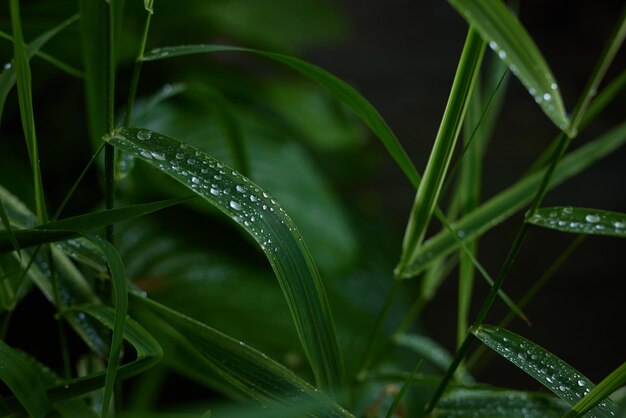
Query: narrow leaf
x: 605, y: 388
x: 468, y: 403
x: 581, y: 221
x: 261, y: 216
x: 549, y: 370
x: 396, y: 400
x: 508, y: 38
x: 508, y: 202
x: 348, y: 95
x: 8, y: 228
x: 246, y: 368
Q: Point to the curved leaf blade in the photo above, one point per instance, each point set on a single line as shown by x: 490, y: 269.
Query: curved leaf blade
x: 605, y: 388
x: 347, y: 94
x: 510, y: 40
x: 261, y: 216
x: 549, y: 370
x: 581, y: 221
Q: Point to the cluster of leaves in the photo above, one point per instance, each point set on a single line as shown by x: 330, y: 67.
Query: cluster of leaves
x: 181, y: 289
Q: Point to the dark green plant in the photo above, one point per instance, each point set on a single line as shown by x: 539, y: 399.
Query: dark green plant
x: 235, y: 202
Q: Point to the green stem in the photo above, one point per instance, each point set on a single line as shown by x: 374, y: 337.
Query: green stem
x: 109, y: 152
x: 137, y: 71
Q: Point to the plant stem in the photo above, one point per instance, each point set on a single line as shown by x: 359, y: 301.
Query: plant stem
x: 109, y: 152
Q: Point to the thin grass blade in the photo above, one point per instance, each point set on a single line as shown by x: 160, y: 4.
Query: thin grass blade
x: 8, y: 228
x: 468, y: 403
x: 549, y: 370
x: 249, y: 370
x: 581, y: 221
x: 508, y: 202
x: 602, y: 391
x: 261, y: 216
x: 509, y: 39
x: 430, y: 188
x: 396, y: 399
x: 348, y: 95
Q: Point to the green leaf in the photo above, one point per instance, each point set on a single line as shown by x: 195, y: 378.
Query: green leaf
x: 549, y: 370
x: 430, y: 188
x: 246, y: 368
x: 605, y: 388
x: 508, y: 202
x: 23, y: 381
x: 348, y: 95
x: 261, y: 216
x: 508, y: 38
x: 581, y: 221
x: 8, y: 229
x: 468, y: 403
x: 396, y: 399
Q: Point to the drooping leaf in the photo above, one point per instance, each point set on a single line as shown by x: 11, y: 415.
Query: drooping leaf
x: 261, y: 216
x: 468, y: 403
x: 249, y: 370
x: 549, y: 370
x: 606, y: 387
x: 509, y: 39
x: 581, y: 221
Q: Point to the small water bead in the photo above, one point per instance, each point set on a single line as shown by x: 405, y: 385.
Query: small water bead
x: 217, y: 177
x: 581, y: 383
x: 180, y: 155
x: 619, y: 225
x: 253, y: 198
x: 235, y: 205
x: 553, y: 86
x: 220, y: 165
x: 502, y: 55
x: 592, y: 218
x: 158, y: 156
x: 214, y: 191
x: 8, y: 66
x: 144, y: 135
x: 547, y: 96
x: 493, y: 45
x: 240, y: 189
x: 568, y: 210
x: 204, y: 170
x: 561, y: 388
x: 460, y: 233
x: 191, y: 161
x: 599, y: 227
x: 195, y: 180
x: 146, y: 154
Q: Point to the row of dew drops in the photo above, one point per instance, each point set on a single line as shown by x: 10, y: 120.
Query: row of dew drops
x: 571, y: 220
x: 242, y: 200
x: 550, y: 370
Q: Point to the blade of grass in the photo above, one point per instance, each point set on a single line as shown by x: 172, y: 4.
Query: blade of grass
x: 602, y: 391
x: 581, y: 221
x: 246, y: 368
x: 9, y: 229
x: 25, y: 99
x: 261, y: 216
x: 508, y: 38
x: 430, y: 188
x: 396, y: 399
x: 549, y: 370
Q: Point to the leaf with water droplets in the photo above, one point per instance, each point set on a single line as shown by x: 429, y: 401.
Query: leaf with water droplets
x: 498, y: 404
x: 509, y: 39
x: 549, y: 370
x: 581, y: 221
x: 268, y: 224
x: 605, y: 388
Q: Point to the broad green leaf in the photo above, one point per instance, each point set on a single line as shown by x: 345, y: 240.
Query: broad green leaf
x: 606, y: 387
x: 261, y: 216
x: 549, y: 370
x: 71, y: 227
x: 246, y: 368
x: 506, y: 203
x: 434, y: 175
x: 469, y: 403
x: 7, y: 76
x: 348, y: 95
x: 581, y: 221
x: 23, y: 381
x: 508, y: 38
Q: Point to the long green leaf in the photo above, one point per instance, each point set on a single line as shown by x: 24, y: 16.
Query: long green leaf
x: 549, y: 370
x: 23, y: 381
x: 430, y: 188
x: 246, y: 368
x: 505, y: 204
x: 348, y: 95
x: 261, y: 216
x: 8, y: 229
x: 508, y: 38
x: 581, y: 221
x: 608, y: 385
x: 468, y: 403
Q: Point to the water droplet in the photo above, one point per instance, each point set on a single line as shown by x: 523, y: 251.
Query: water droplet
x: 253, y: 198
x: 167, y: 89
x: 553, y: 86
x: 547, y: 96
x: 502, y: 55
x: 532, y: 91
x: 493, y: 45
x: 144, y: 135
x: 158, y: 155
x: 568, y: 210
x: 146, y: 154
x: 180, y: 155
x: 214, y: 191
x: 593, y: 218
x: 619, y: 225
x: 217, y: 177
x: 266, y: 195
x: 8, y: 66
x: 460, y: 233
x: 235, y: 205
x: 581, y: 383
x: 191, y: 161
x: 599, y: 227
x: 561, y: 387
x: 195, y: 180
x: 240, y: 189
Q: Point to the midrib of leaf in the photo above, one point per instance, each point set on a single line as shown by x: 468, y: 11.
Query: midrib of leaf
x: 261, y: 216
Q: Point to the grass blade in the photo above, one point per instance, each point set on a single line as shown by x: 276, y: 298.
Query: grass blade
x: 396, y: 399
x: 8, y: 229
x: 508, y: 38
x: 23, y: 381
x: 261, y: 216
x: 581, y: 221
x: 246, y: 368
x: 506, y: 203
x: 549, y: 370
x: 430, y: 188
x: 608, y: 385
x: 348, y: 95
x: 467, y: 403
